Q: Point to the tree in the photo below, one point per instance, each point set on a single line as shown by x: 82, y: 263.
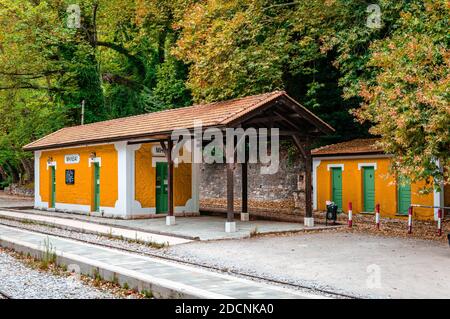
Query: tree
x: 316, y: 50
x: 24, y: 117
x: 407, y: 100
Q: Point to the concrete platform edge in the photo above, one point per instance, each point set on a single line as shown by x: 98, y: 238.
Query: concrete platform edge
x: 160, y: 288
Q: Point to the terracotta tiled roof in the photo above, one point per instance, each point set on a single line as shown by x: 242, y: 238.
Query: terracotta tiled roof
x: 151, y: 124
x: 358, y: 146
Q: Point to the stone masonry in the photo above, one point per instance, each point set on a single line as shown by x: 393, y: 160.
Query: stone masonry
x: 277, y: 195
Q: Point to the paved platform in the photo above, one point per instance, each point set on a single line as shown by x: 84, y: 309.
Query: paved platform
x: 202, y: 227
x: 87, y: 226
x: 165, y: 279
x: 13, y: 201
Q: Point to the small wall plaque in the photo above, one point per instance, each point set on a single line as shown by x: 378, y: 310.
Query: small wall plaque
x: 72, y: 158
x: 157, y: 150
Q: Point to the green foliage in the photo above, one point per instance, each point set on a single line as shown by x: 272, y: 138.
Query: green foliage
x: 24, y: 117
x: 135, y: 56
x: 408, y: 99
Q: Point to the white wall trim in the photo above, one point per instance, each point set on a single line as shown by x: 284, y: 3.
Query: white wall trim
x: 335, y: 166
x: 115, y: 211
x: 105, y: 211
x: 37, y: 180
x: 124, y: 187
x: 135, y: 205
x: 51, y: 164
x: 360, y: 165
x: 42, y: 205
x: 95, y: 160
x: 316, y: 163
x: 137, y: 209
x: 158, y: 160
x: 74, y: 208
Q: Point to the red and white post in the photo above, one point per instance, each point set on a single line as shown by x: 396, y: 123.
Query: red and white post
x: 439, y: 232
x: 410, y: 213
x: 377, y: 215
x: 350, y: 215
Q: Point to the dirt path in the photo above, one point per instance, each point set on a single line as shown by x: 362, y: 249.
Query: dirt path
x: 356, y: 264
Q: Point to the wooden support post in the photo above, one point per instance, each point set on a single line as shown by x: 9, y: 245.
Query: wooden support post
x: 170, y: 219
x: 305, y: 150
x: 244, y: 187
x: 170, y: 177
x: 308, y: 183
x: 230, y: 192
x: 230, y: 224
x: 244, y: 173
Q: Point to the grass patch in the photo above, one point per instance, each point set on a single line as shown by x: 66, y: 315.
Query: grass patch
x: 48, y: 256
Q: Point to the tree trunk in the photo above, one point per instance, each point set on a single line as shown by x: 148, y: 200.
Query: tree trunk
x: 28, y: 169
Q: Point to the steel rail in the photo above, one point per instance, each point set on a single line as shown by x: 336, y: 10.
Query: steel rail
x: 181, y: 261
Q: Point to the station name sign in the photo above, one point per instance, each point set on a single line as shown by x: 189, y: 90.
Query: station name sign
x: 72, y: 158
x: 157, y: 151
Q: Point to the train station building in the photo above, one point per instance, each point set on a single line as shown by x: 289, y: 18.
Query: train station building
x: 125, y: 168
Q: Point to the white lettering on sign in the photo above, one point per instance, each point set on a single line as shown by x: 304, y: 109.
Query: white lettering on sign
x: 72, y: 159
x: 157, y: 151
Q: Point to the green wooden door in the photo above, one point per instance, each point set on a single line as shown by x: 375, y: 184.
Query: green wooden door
x: 52, y: 187
x: 369, y: 189
x: 96, y: 187
x: 404, y: 196
x: 336, y: 186
x: 161, y: 188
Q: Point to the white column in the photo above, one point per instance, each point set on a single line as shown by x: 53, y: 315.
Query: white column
x: 135, y: 205
x: 37, y: 180
x: 438, y: 197
x: 316, y: 163
x: 124, y: 166
x: 196, y: 187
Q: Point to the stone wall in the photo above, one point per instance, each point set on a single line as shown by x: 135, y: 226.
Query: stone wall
x: 281, y: 193
x: 14, y: 189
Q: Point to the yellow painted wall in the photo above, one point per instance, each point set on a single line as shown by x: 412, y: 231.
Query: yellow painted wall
x: 145, y: 180
x: 385, y: 188
x: 81, y: 192
x: 447, y: 196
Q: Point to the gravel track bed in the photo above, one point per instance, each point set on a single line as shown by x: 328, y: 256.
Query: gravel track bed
x: 21, y: 282
x: 176, y: 256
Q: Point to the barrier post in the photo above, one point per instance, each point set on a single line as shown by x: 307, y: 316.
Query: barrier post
x: 350, y: 215
x: 377, y: 215
x: 410, y: 212
x: 439, y: 222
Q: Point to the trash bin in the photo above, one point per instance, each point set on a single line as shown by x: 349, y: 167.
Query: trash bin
x: 332, y: 211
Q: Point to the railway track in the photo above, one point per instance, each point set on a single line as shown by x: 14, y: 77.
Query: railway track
x: 4, y: 295
x: 181, y: 261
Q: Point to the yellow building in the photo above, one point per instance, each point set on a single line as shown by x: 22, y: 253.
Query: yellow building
x: 358, y: 172
x: 113, y: 180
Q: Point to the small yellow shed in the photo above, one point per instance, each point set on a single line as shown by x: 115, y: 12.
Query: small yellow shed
x: 357, y: 171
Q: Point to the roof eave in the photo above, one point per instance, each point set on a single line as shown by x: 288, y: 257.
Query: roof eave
x: 349, y: 154
x: 31, y: 148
